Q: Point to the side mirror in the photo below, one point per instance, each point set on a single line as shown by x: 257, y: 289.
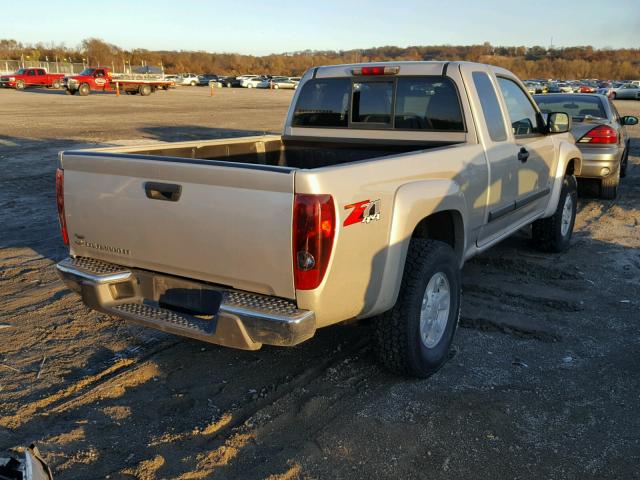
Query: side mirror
x: 558, y: 122
x: 629, y: 120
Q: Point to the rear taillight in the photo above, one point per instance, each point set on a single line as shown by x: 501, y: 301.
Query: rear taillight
x: 314, y: 222
x: 60, y: 203
x: 600, y: 134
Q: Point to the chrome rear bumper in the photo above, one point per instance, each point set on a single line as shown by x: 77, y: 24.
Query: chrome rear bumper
x: 243, y: 320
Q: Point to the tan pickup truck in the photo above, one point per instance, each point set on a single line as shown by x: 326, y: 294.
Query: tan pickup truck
x: 386, y: 179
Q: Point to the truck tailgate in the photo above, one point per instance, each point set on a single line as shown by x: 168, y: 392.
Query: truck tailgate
x: 230, y: 224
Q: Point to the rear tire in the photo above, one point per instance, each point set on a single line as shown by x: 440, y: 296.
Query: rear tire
x: 609, y: 185
x: 413, y: 338
x: 624, y: 163
x: 193, y: 84
x: 553, y: 234
x: 145, y: 90
x: 84, y: 90
x: 56, y: 84
x: 613, y: 95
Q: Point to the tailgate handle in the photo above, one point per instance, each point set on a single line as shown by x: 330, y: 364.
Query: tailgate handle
x: 163, y: 191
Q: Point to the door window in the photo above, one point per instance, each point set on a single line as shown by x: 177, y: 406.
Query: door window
x: 490, y: 106
x: 523, y: 116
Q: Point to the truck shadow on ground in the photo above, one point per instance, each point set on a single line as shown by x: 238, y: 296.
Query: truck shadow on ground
x: 52, y: 91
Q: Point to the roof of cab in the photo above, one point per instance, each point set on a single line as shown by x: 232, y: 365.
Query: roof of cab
x: 406, y: 68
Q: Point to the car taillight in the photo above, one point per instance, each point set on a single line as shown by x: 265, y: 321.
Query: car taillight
x: 314, y: 222
x: 60, y: 203
x: 600, y: 134
x: 388, y: 70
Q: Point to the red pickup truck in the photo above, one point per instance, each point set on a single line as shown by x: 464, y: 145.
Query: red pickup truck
x: 31, y: 77
x: 101, y: 79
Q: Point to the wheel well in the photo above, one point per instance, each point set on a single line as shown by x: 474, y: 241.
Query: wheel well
x: 445, y: 226
x: 574, y: 166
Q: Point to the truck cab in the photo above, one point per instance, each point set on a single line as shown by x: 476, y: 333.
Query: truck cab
x: 92, y: 78
x: 31, y: 77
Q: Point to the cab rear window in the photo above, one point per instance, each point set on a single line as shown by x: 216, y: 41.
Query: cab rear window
x: 402, y: 103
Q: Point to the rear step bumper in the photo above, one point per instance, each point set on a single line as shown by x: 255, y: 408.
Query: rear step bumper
x: 243, y: 320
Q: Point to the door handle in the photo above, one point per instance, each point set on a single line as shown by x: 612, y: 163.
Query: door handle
x: 169, y: 192
x: 523, y: 155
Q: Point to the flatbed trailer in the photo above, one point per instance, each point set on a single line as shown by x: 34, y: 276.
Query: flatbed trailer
x: 102, y: 79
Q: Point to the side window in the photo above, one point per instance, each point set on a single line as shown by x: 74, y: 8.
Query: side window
x: 523, y: 116
x: 31, y: 73
x: 490, y: 106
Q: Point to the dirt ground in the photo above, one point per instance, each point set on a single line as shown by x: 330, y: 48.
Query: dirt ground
x: 542, y: 382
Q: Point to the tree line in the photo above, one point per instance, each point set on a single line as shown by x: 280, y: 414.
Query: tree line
x: 526, y: 62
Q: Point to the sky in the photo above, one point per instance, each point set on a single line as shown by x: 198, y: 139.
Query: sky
x: 267, y: 26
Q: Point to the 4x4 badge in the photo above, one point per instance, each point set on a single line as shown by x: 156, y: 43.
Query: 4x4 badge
x: 365, y: 211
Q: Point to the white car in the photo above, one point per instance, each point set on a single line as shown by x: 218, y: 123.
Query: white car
x: 250, y: 81
x: 187, y: 79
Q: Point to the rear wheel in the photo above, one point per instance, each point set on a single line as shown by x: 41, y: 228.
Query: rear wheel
x: 612, y: 96
x: 249, y: 86
x: 56, y: 84
x: 276, y: 87
x: 553, y: 234
x: 144, y: 90
x: 609, y: 185
x: 19, y: 85
x: 413, y: 338
x: 84, y: 90
x: 193, y: 83
x: 624, y: 163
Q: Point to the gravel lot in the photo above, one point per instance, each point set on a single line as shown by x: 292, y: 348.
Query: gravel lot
x: 542, y: 382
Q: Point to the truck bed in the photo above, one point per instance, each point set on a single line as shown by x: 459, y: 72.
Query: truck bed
x: 276, y: 151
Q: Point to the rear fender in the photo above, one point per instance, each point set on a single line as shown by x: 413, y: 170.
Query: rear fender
x: 566, y: 153
x: 413, y: 203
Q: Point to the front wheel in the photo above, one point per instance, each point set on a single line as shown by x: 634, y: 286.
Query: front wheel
x: 413, y: 338
x: 193, y: 84
x: 612, y: 96
x: 553, y: 234
x: 19, y: 85
x: 84, y: 90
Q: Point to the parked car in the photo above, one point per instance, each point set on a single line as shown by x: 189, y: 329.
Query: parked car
x: 600, y: 134
x: 206, y: 79
x: 251, y: 81
x: 287, y: 82
x: 31, y: 77
x: 534, y: 87
x: 367, y: 206
x: 626, y: 91
x: 584, y: 88
x: 188, y: 79
x: 273, y: 82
